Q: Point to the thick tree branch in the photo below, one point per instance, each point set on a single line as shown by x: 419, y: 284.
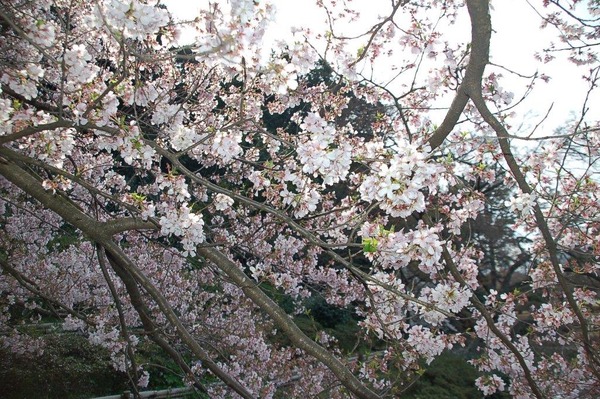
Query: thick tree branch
x: 142, y: 310
x: 492, y: 325
x: 113, y: 226
x: 476, y: 95
x: 541, y: 223
x: 283, y: 321
x: 93, y: 229
x: 122, y: 321
x: 121, y: 225
x: 292, y: 224
x: 31, y: 130
x: 481, y: 31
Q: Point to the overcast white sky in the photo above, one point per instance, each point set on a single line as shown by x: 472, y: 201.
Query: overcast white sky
x: 515, y: 39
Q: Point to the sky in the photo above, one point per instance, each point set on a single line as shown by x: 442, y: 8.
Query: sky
x: 516, y: 37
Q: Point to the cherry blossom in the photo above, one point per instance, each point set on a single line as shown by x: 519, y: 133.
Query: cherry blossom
x: 204, y: 194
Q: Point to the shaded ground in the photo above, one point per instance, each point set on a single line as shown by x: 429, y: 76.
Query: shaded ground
x: 71, y: 368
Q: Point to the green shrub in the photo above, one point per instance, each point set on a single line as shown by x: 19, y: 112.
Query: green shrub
x: 450, y: 376
x: 70, y: 367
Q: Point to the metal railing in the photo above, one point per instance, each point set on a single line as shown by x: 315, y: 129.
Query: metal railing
x: 173, y: 393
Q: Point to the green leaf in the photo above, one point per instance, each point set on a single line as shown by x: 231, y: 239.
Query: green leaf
x: 138, y: 197
x: 383, y: 232
x: 369, y: 244
x: 360, y: 52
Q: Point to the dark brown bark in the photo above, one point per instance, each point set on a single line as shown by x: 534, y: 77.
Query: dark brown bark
x: 481, y: 31
x: 94, y: 230
x: 283, y: 321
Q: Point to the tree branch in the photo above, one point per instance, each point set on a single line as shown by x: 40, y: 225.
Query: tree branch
x: 93, y: 229
x: 142, y: 310
x: 283, y: 321
x: 481, y: 31
x: 31, y: 287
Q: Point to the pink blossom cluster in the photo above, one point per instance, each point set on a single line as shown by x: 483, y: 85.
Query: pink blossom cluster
x: 398, y: 185
x: 206, y: 196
